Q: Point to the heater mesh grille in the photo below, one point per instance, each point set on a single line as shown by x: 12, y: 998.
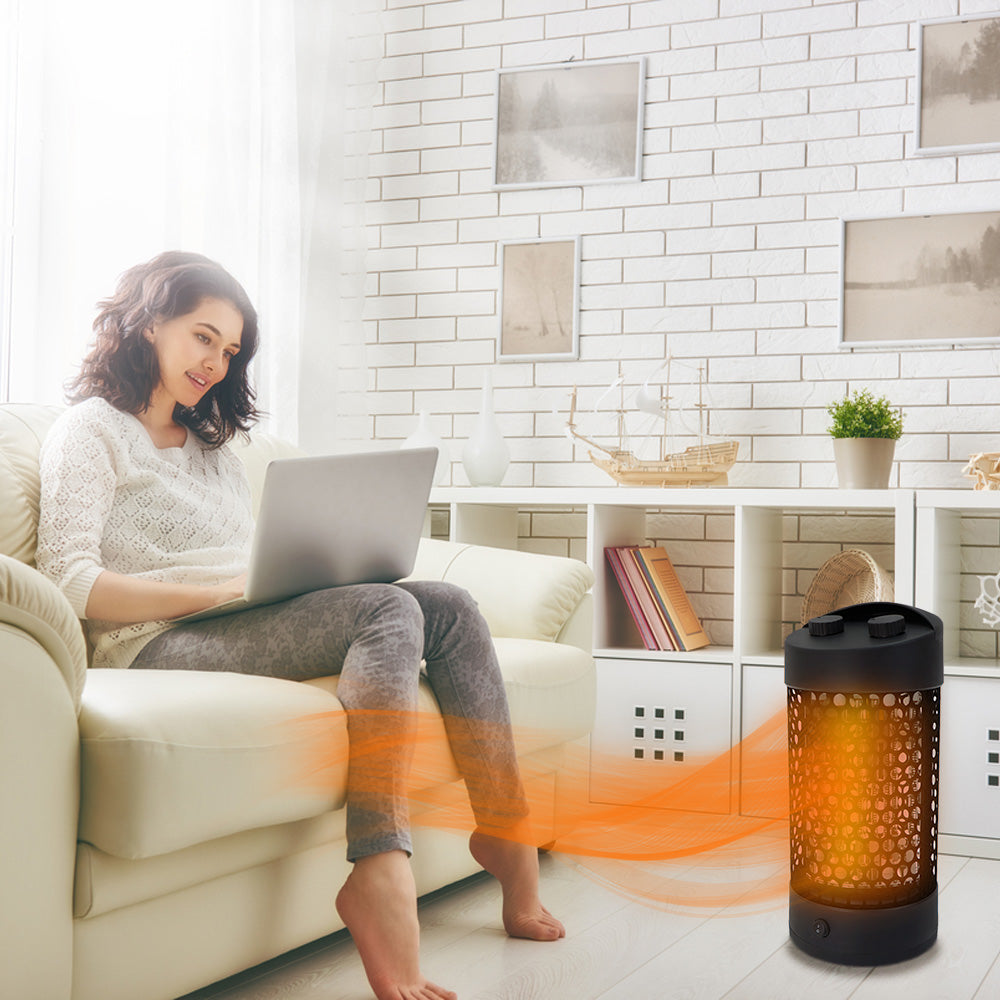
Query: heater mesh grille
x: 863, y: 784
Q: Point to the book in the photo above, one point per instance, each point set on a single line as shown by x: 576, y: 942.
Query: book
x: 639, y: 598
x: 645, y: 598
x: 655, y: 603
x: 614, y: 556
x: 671, y: 597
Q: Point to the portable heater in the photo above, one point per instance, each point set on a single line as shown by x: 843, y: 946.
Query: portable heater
x: 864, y: 706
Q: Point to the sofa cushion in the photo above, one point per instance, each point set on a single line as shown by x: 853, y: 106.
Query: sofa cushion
x: 174, y: 758
x: 550, y: 689
x: 520, y: 594
x: 104, y: 883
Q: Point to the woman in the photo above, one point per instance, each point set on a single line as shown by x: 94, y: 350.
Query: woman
x: 145, y: 517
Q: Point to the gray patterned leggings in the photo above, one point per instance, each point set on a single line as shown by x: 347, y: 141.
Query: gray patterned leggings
x: 375, y: 636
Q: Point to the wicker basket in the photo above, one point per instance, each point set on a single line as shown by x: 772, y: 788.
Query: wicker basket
x: 849, y: 577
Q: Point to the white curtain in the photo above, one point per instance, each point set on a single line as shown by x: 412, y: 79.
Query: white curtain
x: 339, y: 55
x: 182, y: 124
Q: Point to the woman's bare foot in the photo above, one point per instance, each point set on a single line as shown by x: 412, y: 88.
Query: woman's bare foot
x: 515, y: 866
x: 378, y: 902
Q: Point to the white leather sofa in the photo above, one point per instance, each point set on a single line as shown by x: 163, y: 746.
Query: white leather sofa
x: 162, y: 830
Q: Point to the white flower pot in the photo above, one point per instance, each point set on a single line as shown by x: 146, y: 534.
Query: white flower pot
x: 863, y: 463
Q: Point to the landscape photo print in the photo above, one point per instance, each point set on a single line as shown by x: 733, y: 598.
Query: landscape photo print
x: 919, y: 279
x: 572, y: 123
x: 958, y: 103
x: 539, y: 300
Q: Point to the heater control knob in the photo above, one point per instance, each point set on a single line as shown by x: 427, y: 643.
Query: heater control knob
x: 826, y: 625
x: 886, y: 626
x: 821, y: 928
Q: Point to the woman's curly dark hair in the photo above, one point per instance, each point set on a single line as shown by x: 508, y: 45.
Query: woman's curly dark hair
x: 122, y: 366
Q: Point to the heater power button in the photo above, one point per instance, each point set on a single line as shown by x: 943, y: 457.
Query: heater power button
x: 821, y: 928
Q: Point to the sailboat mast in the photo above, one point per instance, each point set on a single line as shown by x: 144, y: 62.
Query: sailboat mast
x: 666, y: 413
x: 701, y: 405
x: 621, y: 408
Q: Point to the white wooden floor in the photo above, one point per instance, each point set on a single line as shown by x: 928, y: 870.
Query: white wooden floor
x: 619, y: 949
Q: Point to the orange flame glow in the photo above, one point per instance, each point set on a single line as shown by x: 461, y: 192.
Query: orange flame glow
x: 710, y: 835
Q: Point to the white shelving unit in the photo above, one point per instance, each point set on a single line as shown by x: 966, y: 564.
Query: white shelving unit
x: 933, y: 545
x: 957, y: 539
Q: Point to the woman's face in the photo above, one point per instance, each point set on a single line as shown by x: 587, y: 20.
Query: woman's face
x: 194, y: 350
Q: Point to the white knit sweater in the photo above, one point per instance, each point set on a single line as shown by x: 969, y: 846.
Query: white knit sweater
x: 110, y: 499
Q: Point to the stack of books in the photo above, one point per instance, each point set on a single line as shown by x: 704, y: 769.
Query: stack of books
x: 656, y: 598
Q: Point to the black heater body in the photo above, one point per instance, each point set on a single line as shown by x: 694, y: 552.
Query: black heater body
x: 864, y: 685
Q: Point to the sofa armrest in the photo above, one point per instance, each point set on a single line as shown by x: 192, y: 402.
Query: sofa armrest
x: 41, y: 675
x: 521, y: 594
x: 32, y: 603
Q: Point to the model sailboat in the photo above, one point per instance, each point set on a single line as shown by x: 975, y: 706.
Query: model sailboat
x: 702, y: 464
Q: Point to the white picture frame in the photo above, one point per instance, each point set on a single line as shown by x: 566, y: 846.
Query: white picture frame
x: 569, y: 123
x: 958, y: 101
x: 920, y: 280
x: 539, y: 300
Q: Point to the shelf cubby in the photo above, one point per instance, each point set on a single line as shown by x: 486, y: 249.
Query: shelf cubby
x: 699, y: 540
x: 958, y: 540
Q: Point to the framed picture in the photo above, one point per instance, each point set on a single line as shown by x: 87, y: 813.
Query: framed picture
x: 916, y: 280
x: 539, y: 300
x: 572, y: 123
x: 958, y: 100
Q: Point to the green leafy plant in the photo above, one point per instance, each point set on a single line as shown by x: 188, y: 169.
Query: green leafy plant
x: 864, y: 416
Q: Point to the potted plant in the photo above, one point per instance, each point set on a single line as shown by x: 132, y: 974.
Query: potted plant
x: 864, y: 432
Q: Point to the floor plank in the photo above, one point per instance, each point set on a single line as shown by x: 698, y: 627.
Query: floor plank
x: 966, y: 949
x: 789, y: 973
x: 584, y: 964
x: 618, y: 948
x: 990, y: 988
x: 707, y: 962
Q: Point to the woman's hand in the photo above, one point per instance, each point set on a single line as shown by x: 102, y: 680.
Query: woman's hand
x: 116, y: 597
x: 229, y: 590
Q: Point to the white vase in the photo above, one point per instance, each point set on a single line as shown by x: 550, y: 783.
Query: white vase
x: 485, y: 457
x: 424, y: 437
x: 863, y: 463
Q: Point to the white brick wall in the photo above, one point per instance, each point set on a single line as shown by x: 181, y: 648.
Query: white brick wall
x: 766, y: 122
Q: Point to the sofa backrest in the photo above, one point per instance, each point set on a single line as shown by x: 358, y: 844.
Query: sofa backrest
x: 23, y: 427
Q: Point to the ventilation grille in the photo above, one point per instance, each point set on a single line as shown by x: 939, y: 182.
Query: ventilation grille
x: 863, y: 774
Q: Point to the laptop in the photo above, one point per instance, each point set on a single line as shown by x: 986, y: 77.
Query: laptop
x: 334, y: 520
